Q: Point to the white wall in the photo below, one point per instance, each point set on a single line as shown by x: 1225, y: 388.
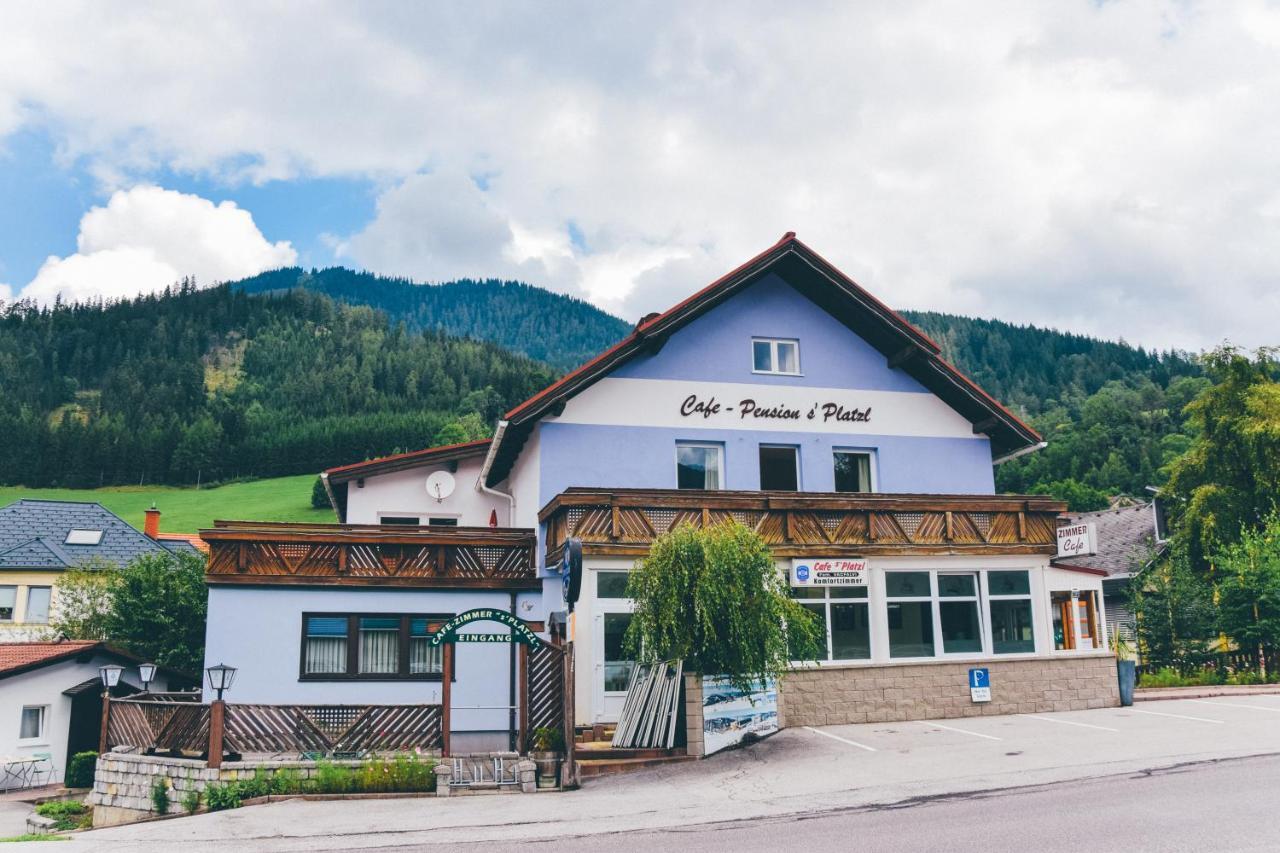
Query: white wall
x: 405, y: 493
x: 44, y: 687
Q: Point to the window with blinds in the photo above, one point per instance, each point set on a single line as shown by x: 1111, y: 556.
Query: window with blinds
x: 375, y: 646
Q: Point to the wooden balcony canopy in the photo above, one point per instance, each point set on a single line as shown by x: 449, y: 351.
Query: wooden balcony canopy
x: 622, y: 522
x: 265, y: 553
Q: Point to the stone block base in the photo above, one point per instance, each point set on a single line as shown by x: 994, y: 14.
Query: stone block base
x: 823, y: 696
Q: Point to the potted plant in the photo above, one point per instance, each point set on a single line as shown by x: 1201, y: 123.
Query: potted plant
x: 1126, y: 668
x: 546, y: 745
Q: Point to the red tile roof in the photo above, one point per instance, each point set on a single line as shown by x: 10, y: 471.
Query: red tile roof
x: 19, y: 656
x: 386, y: 464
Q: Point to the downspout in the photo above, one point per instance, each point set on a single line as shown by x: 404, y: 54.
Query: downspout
x: 333, y: 499
x: 484, y: 474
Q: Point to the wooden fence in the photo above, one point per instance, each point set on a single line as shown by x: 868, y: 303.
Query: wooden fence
x: 186, y: 727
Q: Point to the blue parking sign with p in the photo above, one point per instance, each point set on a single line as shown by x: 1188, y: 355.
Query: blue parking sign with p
x: 980, y: 684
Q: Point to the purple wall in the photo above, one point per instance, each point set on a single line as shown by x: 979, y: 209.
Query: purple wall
x: 716, y: 347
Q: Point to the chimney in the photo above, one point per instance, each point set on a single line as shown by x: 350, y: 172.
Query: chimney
x: 151, y: 526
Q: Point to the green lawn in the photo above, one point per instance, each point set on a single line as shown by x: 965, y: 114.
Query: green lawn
x: 188, y: 510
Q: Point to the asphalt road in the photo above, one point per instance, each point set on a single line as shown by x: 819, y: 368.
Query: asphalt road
x: 1221, y: 806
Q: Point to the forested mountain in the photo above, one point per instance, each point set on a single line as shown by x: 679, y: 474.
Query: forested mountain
x: 293, y: 371
x: 560, y: 330
x: 197, y: 385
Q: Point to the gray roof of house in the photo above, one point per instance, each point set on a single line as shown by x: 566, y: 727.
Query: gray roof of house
x: 33, y: 535
x: 1126, y: 540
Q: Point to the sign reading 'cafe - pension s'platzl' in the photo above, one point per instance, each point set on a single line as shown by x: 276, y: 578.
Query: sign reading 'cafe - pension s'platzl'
x: 850, y: 571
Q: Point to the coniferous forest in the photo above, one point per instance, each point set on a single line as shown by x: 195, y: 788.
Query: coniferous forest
x: 292, y: 371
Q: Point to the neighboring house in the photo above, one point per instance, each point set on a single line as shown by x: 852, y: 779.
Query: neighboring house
x: 51, y: 697
x: 1128, y: 539
x: 41, y: 539
x: 782, y: 395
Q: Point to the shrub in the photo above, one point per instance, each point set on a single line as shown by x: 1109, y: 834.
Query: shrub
x: 1170, y: 677
x: 66, y: 814
x: 191, y: 801
x: 81, y: 769
x: 400, y: 773
x: 547, y: 739
x: 221, y: 796
x: 160, y: 795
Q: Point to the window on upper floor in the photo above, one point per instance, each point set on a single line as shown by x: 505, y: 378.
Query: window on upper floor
x: 779, y: 468
x: 775, y: 355
x: 38, y: 598
x: 699, y: 466
x: 8, y: 600
x: 402, y: 520
x: 853, y: 470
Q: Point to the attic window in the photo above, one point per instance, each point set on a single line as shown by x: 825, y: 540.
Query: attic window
x: 770, y: 355
x: 83, y: 537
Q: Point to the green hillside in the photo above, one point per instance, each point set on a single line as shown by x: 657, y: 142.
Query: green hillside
x: 189, y: 510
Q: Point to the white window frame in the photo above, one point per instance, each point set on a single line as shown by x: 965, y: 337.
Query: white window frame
x: 984, y: 628
x: 931, y: 596
x: 773, y: 356
x: 710, y: 445
x: 1029, y: 597
x: 88, y: 536
x: 872, y: 461
x: 26, y: 606
x: 795, y: 450
x: 827, y: 601
x: 386, y: 515
x: 44, y: 722
x: 14, y: 614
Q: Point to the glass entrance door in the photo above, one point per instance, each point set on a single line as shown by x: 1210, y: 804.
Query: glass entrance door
x: 613, y: 669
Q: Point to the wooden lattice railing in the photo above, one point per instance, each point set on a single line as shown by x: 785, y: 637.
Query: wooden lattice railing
x: 148, y: 725
x: 623, y: 522
x: 370, y: 555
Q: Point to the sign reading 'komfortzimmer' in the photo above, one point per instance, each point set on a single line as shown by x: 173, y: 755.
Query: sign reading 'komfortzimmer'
x: 520, y: 630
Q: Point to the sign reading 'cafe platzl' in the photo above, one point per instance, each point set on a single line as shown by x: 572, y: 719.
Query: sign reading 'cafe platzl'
x: 850, y: 571
x: 751, y: 409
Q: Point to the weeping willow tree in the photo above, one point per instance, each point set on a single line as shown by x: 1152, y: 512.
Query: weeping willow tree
x: 715, y: 599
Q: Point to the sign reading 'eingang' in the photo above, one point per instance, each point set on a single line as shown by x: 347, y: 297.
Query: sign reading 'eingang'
x: 520, y: 630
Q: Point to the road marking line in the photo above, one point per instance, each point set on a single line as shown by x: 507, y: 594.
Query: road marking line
x: 841, y: 739
x: 953, y: 729
x: 1177, y: 716
x: 1235, y: 705
x: 1067, y: 722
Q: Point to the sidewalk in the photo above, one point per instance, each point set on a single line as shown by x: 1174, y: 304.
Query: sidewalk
x: 798, y: 771
x: 1151, y: 694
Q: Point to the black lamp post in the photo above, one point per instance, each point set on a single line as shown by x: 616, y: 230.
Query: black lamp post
x: 110, y: 675
x: 147, y: 672
x: 221, y: 677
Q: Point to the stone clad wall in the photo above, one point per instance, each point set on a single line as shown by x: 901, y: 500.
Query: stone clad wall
x: 822, y: 696
x: 122, y: 785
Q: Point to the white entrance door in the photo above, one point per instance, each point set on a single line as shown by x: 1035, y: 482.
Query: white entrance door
x: 612, y: 668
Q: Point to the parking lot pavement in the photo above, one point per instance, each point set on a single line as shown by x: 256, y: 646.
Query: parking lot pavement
x: 799, y: 771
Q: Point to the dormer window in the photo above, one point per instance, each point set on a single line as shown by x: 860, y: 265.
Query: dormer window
x: 83, y: 537
x: 775, y: 355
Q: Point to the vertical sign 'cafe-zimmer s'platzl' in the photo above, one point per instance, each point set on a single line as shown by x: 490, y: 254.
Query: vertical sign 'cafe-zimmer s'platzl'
x: 782, y: 395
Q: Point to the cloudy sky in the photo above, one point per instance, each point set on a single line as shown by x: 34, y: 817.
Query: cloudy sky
x: 1105, y: 167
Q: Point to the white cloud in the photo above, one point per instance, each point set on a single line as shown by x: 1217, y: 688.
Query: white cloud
x: 148, y: 238
x: 6, y: 293
x: 1104, y: 166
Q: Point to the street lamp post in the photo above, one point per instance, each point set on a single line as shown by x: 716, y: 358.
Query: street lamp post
x: 110, y: 676
x: 220, y: 678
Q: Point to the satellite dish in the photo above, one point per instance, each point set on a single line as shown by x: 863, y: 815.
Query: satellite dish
x: 440, y: 485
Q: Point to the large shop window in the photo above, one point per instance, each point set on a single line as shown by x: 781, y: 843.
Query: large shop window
x: 772, y: 355
x: 843, y: 612
x: 1075, y: 620
x: 853, y: 471
x: 698, y: 466
x: 1009, y: 600
x: 958, y: 613
x: 374, y: 647
x: 910, y: 602
x: 779, y: 468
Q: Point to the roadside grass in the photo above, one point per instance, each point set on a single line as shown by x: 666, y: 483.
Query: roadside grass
x: 32, y: 836
x: 187, y: 510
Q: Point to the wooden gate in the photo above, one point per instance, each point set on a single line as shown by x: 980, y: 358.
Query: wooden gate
x: 547, y: 700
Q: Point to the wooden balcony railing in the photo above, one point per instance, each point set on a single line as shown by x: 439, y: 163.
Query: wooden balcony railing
x: 242, y: 552
x: 623, y: 522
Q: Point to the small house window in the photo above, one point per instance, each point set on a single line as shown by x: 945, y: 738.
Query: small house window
x: 8, y: 597
x: 83, y: 537
x: 379, y: 645
x: 779, y: 468
x: 698, y: 466
x: 372, y: 647
x: 771, y: 355
x: 401, y: 520
x: 326, y: 645
x: 424, y: 658
x: 442, y: 521
x: 32, y: 726
x: 853, y: 471
x: 38, y: 605
x: 612, y: 584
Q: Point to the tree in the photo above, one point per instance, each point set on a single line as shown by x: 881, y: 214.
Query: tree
x: 715, y: 599
x: 158, y: 610
x: 319, y: 496
x: 84, y: 602
x: 1227, y: 482
x: 1248, y: 582
x: 1173, y: 606
x: 1079, y: 497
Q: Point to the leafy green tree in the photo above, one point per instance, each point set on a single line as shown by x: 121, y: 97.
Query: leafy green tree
x: 715, y: 599
x: 84, y: 602
x: 1227, y: 483
x: 158, y: 607
x: 1079, y: 497
x: 1173, y: 607
x: 1248, y: 583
